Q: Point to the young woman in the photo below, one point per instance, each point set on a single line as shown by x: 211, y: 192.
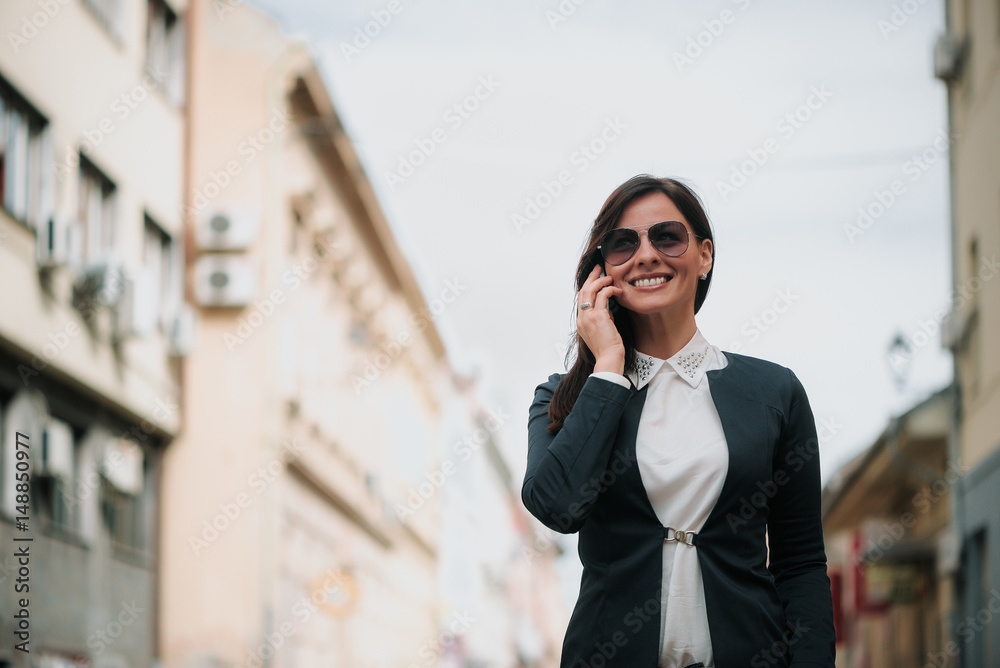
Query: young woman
x: 691, y: 474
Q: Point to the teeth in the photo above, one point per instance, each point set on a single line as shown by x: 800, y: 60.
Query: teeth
x: 646, y: 282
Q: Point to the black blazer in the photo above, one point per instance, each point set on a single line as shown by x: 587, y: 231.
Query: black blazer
x: 585, y: 478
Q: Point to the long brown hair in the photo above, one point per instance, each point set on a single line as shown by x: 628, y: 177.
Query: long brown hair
x: 688, y: 203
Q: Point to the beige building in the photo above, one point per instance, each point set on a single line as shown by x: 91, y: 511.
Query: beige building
x: 886, y: 522
x: 493, y: 564
x: 313, y: 396
x: 91, y: 321
x: 966, y: 60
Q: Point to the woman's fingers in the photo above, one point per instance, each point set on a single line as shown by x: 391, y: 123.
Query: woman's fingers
x: 588, y: 290
x: 605, y: 293
x: 593, y: 284
x: 595, y: 324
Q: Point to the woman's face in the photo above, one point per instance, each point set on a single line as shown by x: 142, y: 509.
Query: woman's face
x: 682, y: 273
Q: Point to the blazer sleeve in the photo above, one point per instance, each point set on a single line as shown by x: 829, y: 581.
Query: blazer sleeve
x: 562, y: 479
x: 797, y: 555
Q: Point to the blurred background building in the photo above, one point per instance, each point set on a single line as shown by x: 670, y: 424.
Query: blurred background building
x: 913, y: 523
x: 278, y: 533
x: 966, y: 60
x: 886, y: 516
x: 247, y: 444
x: 91, y: 184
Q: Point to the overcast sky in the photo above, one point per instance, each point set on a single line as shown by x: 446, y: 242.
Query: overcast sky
x: 786, y: 117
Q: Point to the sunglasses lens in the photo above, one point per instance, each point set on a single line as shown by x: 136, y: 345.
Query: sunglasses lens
x: 669, y: 238
x: 619, y: 245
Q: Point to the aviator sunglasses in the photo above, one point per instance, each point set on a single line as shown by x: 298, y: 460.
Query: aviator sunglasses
x: 669, y: 238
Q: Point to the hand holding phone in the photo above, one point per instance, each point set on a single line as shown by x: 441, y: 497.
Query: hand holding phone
x: 596, y: 324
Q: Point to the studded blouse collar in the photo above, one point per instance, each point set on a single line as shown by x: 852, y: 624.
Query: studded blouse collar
x: 689, y: 363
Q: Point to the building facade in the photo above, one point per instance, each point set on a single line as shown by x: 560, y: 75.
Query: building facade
x: 965, y: 59
x: 313, y: 397
x: 887, y: 527
x: 92, y: 322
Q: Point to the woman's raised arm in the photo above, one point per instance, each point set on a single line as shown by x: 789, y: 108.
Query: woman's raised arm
x: 562, y: 480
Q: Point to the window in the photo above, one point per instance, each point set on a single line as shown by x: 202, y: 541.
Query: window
x: 121, y: 515
x: 53, y: 475
x: 161, y: 259
x: 122, y: 481
x: 109, y: 13
x: 165, y: 49
x: 26, y: 168
x: 975, y: 339
x: 96, y: 212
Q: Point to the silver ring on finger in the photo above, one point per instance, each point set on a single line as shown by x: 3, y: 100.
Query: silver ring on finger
x: 585, y: 305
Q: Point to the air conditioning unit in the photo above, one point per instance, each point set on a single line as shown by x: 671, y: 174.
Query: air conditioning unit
x: 56, y: 458
x: 136, y: 311
x: 123, y: 465
x: 955, y: 327
x: 949, y: 57
x: 58, y: 242
x: 225, y: 280
x: 228, y: 226
x: 101, y: 282
x: 180, y: 332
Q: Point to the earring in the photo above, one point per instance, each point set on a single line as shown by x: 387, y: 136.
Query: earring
x: 704, y: 276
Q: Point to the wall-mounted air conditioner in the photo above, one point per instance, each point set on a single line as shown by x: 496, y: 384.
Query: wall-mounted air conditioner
x: 123, y: 465
x: 949, y: 57
x: 222, y: 279
x: 136, y: 311
x: 227, y: 226
x: 101, y: 283
x: 57, y: 242
x: 55, y: 458
x: 180, y: 332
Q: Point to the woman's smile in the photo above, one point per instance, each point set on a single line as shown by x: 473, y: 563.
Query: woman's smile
x: 650, y: 282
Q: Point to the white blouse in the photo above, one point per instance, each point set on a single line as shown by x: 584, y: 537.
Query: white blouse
x: 683, y: 460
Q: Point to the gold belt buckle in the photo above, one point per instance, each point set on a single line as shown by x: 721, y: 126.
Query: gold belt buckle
x: 681, y: 536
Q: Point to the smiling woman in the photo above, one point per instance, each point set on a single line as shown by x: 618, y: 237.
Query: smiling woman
x: 653, y: 439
